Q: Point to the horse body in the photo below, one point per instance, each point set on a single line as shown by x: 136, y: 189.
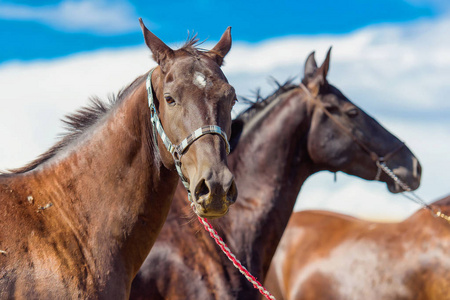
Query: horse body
x: 79, y: 221
x: 280, y: 145
x: 325, y: 255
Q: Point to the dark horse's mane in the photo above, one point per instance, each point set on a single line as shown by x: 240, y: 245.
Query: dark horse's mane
x: 255, y: 106
x: 84, y: 118
x: 260, y: 103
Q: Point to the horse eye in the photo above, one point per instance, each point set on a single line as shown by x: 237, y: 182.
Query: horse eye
x: 169, y: 100
x: 234, y: 101
x: 352, y: 112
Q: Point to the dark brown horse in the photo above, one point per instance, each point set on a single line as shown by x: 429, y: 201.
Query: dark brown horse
x: 282, y: 141
x: 325, y: 255
x: 79, y: 221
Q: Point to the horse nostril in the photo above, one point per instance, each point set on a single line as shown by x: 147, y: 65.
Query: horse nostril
x: 232, y: 193
x: 201, y: 189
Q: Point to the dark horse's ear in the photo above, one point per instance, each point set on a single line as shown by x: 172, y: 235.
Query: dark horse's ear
x: 326, y: 65
x: 161, y: 52
x: 310, y: 65
x: 316, y: 77
x: 221, y: 48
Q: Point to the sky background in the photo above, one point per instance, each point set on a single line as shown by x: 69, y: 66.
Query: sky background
x: 389, y: 57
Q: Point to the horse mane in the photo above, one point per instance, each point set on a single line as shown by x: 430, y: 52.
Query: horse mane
x: 255, y: 106
x: 77, y: 123
x: 260, y: 103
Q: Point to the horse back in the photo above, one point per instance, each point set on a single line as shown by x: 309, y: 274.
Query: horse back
x: 326, y: 255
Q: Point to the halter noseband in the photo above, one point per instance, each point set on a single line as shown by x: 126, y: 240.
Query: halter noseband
x: 178, y: 150
x: 373, y: 155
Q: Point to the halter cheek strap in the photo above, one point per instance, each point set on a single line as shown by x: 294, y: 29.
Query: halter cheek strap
x: 177, y: 151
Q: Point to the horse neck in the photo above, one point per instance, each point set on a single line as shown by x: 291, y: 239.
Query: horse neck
x: 110, y: 188
x: 270, y: 164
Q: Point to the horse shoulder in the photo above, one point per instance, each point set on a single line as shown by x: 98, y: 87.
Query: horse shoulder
x: 40, y: 255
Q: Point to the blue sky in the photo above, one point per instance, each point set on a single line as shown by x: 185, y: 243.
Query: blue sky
x: 53, y: 28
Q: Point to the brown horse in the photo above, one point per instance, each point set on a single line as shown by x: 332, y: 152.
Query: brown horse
x: 325, y: 255
x: 79, y: 221
x: 282, y: 141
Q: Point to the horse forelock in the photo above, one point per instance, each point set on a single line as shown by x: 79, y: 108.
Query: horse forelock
x: 192, y: 48
x: 192, y: 45
x: 77, y: 123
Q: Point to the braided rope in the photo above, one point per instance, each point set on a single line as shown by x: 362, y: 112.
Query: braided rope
x: 436, y: 212
x: 442, y: 215
x: 256, y: 284
x: 391, y: 174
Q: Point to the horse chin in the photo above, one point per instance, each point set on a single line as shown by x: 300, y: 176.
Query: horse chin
x: 393, y: 187
x: 203, y: 213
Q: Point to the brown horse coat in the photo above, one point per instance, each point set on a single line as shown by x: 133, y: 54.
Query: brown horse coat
x: 325, y: 255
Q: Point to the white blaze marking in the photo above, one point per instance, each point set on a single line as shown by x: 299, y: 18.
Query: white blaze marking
x: 199, y: 80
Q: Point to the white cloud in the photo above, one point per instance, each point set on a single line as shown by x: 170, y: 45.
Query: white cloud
x: 372, y: 59
x: 100, y: 17
x: 403, y: 67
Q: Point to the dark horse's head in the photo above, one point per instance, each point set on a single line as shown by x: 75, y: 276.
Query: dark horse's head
x: 191, y: 91
x: 343, y: 137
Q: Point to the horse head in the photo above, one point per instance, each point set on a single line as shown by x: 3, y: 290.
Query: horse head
x: 343, y: 137
x: 191, y: 94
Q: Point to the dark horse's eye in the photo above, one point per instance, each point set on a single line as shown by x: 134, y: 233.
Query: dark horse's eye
x: 169, y: 100
x: 234, y: 101
x: 331, y: 108
x: 352, y: 112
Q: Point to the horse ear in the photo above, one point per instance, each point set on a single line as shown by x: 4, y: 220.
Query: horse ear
x: 221, y: 48
x: 315, y: 78
x: 323, y: 70
x: 310, y: 65
x: 161, y: 52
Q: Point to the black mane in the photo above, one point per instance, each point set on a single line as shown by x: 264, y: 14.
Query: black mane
x: 255, y: 106
x: 260, y: 103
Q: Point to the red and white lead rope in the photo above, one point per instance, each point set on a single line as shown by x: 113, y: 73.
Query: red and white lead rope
x: 177, y: 151
x: 234, y: 260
